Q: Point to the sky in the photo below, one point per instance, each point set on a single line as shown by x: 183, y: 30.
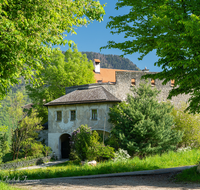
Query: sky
x: 96, y: 35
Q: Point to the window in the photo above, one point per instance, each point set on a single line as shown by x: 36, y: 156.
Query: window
x: 59, y: 116
x: 94, y: 114
x: 132, y: 82
x: 73, y: 115
x: 172, y: 82
x: 152, y: 82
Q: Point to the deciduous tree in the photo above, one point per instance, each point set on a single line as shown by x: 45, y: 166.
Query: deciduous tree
x: 171, y: 27
x: 69, y: 69
x: 29, y: 28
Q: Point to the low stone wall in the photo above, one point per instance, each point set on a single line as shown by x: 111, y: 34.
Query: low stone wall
x: 24, y: 163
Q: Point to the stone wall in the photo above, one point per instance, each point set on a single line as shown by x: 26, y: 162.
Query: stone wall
x: 122, y: 87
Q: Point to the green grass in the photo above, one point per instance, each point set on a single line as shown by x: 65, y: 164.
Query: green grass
x: 70, y: 168
x: 5, y: 186
x: 189, y: 175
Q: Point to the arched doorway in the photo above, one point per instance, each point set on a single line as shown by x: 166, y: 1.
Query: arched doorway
x: 65, y: 146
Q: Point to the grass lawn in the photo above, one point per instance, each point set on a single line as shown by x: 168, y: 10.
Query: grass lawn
x: 189, y: 175
x: 5, y: 186
x: 70, y: 168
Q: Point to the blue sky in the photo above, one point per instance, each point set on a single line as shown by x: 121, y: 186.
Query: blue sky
x: 96, y: 35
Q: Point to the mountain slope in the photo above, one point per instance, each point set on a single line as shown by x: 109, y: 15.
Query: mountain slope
x: 112, y: 61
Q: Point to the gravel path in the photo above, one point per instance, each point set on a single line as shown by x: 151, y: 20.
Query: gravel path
x: 147, y: 182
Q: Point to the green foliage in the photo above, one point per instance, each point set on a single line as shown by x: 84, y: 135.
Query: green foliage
x: 112, y: 141
x: 86, y: 146
x: 4, y: 147
x: 81, y: 140
x: 100, y: 152
x: 29, y: 29
x: 24, y: 125
x: 24, y: 135
x: 121, y: 155
x: 172, y: 30
x: 142, y: 125
x: 69, y: 69
x: 47, y: 150
x: 17, y: 94
x: 36, y: 149
x: 189, y: 123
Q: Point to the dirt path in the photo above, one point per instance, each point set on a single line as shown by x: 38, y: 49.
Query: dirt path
x: 148, y: 182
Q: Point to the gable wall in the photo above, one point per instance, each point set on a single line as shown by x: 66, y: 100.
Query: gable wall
x: 83, y: 116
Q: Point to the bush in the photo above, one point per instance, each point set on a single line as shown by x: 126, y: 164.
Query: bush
x: 80, y: 141
x: 189, y: 124
x: 142, y: 125
x: 85, y: 145
x: 100, y: 152
x: 46, y: 150
x: 121, y: 155
x: 112, y: 141
x: 36, y: 149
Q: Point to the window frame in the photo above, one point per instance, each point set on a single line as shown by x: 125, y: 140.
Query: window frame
x: 94, y: 114
x: 58, y: 118
x: 72, y: 119
x: 133, y: 82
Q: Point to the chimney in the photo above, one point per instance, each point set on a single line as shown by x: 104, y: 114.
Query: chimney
x: 96, y: 65
x: 145, y: 69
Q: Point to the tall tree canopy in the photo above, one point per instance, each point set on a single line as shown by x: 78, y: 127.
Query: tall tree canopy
x: 29, y: 28
x: 171, y: 27
x: 69, y: 69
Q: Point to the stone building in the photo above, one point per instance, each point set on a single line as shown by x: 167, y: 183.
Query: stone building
x: 89, y: 104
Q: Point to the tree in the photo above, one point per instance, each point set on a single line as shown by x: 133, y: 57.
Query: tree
x: 28, y: 30
x: 171, y: 27
x: 69, y: 69
x: 189, y: 123
x: 4, y: 147
x: 142, y: 125
x: 25, y: 133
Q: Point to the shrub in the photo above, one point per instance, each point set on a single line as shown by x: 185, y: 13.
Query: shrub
x: 47, y: 150
x: 112, y: 141
x: 80, y: 141
x: 189, y: 124
x: 36, y: 149
x: 121, y: 155
x: 142, y: 125
x: 85, y: 145
x: 100, y: 152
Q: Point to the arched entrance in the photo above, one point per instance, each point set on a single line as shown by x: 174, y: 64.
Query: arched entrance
x: 65, y: 146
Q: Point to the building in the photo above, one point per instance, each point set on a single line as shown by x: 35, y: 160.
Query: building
x: 89, y: 104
